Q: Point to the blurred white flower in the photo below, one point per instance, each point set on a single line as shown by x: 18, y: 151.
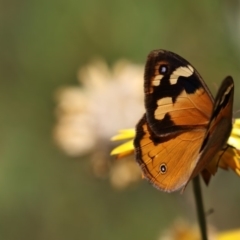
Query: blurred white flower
x: 73, y: 131
x: 106, y: 101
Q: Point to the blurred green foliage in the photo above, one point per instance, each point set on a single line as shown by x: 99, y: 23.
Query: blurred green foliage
x: 43, y: 193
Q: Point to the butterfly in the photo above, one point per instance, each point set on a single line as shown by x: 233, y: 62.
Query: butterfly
x: 184, y: 127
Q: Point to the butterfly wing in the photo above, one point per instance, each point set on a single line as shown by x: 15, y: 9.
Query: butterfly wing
x: 220, y: 125
x: 176, y: 98
x: 167, y: 161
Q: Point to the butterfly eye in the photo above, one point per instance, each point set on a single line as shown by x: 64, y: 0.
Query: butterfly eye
x: 163, y: 69
x: 163, y: 168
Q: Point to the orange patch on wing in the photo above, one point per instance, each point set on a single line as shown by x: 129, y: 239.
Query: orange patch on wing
x: 178, y: 152
x: 186, y: 110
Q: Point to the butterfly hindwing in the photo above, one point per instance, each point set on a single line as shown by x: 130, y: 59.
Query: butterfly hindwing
x: 167, y: 161
x: 176, y: 98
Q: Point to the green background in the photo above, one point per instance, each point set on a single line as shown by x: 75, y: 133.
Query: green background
x: 43, y: 193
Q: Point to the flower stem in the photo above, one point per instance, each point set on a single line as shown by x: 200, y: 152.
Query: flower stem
x: 200, y: 208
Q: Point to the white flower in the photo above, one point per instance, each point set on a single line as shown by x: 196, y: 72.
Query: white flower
x: 107, y: 100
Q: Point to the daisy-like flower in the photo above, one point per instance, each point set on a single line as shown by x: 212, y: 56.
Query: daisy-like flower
x: 89, y: 114
x: 92, y: 112
x: 225, y: 159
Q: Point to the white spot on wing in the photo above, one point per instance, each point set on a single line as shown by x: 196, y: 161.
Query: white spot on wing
x: 226, y: 93
x: 164, y: 101
x: 156, y: 81
x: 181, y: 71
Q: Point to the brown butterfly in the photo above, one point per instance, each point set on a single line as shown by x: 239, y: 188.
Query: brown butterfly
x: 184, y: 127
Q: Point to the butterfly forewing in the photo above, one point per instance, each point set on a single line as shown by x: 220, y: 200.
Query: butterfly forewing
x: 176, y: 98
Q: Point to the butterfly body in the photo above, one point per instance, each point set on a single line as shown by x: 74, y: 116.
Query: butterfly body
x: 183, y: 127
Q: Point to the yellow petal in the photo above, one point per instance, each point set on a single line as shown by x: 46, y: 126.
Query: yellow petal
x: 229, y: 235
x: 231, y: 160
x: 123, y: 148
x: 234, y: 139
x: 124, y: 134
x: 235, y: 130
x: 225, y: 159
x: 237, y: 121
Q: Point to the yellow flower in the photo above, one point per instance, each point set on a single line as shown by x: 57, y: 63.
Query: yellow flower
x: 182, y: 230
x: 229, y: 235
x: 225, y: 159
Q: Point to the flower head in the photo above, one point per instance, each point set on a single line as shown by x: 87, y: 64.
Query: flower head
x: 91, y: 113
